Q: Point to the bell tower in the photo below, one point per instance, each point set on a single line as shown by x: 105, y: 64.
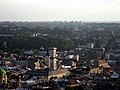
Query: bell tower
x: 53, y: 58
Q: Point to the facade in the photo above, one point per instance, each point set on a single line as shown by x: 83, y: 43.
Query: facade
x: 95, y: 70
x: 45, y: 74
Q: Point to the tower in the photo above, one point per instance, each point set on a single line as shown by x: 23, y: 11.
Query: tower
x: 47, y: 59
x: 53, y: 58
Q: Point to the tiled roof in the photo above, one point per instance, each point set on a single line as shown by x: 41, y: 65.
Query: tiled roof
x: 58, y: 71
x: 101, y: 62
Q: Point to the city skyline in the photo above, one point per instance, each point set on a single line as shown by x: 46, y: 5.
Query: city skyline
x: 59, y: 10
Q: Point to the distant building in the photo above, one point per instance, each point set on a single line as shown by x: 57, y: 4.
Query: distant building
x: 90, y: 45
x: 46, y: 74
x: 68, y: 64
x: 47, y: 68
x: 103, y: 63
x: 114, y: 76
x: 100, y: 66
x: 21, y: 63
x: 94, y: 70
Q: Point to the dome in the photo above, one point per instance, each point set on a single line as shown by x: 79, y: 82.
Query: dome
x: 2, y: 73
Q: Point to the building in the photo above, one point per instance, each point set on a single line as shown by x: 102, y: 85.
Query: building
x: 53, y: 59
x: 103, y: 63
x: 46, y: 74
x: 47, y: 68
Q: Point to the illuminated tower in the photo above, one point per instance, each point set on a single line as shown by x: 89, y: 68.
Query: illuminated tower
x: 53, y: 58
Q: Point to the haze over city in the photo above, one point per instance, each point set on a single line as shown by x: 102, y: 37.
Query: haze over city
x: 59, y: 45
x: 59, y: 10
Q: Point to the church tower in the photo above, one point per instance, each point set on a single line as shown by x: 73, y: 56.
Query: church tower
x: 53, y: 58
x: 47, y: 59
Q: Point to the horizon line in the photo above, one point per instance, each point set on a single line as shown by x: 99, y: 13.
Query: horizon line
x: 83, y: 21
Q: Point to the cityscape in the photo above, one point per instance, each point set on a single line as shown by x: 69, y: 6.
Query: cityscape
x: 59, y: 44
x: 60, y: 55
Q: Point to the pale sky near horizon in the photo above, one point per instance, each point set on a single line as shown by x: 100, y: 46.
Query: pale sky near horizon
x: 56, y: 10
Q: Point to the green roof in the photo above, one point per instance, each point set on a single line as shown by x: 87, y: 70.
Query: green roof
x: 2, y: 72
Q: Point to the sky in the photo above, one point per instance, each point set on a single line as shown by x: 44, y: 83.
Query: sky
x: 59, y: 10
